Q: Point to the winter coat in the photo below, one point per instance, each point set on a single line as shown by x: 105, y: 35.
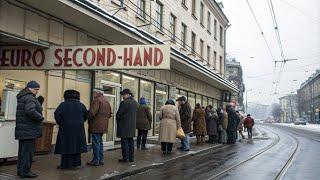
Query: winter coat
x: 199, y: 122
x: 211, y: 122
x: 99, y: 114
x: 233, y: 119
x: 225, y: 120
x: 126, y: 118
x: 169, y: 123
x: 240, y: 126
x: 185, y: 115
x: 70, y: 116
x: 248, y: 122
x: 28, y: 116
x: 144, y: 118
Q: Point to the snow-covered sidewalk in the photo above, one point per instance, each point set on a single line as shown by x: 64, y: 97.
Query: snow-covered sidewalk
x: 308, y: 127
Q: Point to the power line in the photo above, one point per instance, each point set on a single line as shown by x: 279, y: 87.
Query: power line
x: 257, y: 22
x: 276, y: 28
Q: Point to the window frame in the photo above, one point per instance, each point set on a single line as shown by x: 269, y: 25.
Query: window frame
x: 194, y: 9
x: 201, y: 13
x: 209, y: 22
x: 193, y: 42
x: 183, y: 34
x: 221, y: 36
x: 201, y: 48
x: 141, y: 11
x: 215, y: 23
x: 159, y: 15
x: 208, y: 53
x: 173, y: 23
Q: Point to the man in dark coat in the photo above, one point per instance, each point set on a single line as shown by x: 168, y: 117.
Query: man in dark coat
x: 211, y: 121
x: 233, y: 121
x: 126, y: 125
x: 99, y: 114
x: 71, y: 141
x: 28, y: 127
x: 185, y: 116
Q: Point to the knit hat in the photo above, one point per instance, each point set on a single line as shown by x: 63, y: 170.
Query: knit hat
x: 143, y: 101
x: 33, y: 84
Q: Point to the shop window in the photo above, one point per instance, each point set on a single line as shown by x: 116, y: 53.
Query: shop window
x: 161, y: 96
x: 129, y: 82
x: 8, y: 102
x: 204, y: 101
x: 210, y: 101
x: 146, y: 91
x: 106, y: 76
x: 198, y: 99
x: 192, y: 99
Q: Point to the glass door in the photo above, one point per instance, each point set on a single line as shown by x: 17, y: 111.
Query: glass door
x: 112, y: 94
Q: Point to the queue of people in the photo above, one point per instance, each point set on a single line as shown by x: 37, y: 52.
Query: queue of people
x: 221, y: 125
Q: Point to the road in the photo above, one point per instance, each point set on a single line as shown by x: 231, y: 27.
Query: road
x: 279, y: 152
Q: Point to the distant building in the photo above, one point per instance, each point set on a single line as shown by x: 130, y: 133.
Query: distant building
x: 289, y: 108
x: 235, y: 75
x: 309, y: 98
x: 258, y: 111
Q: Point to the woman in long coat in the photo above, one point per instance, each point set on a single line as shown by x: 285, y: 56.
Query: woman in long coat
x: 211, y: 122
x: 199, y: 123
x: 169, y: 123
x: 71, y: 141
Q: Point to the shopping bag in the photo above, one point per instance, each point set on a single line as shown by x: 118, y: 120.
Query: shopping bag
x: 180, y: 133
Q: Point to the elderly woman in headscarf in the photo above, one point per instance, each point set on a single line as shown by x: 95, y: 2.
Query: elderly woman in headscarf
x: 169, y: 123
x: 143, y: 123
x: 71, y: 141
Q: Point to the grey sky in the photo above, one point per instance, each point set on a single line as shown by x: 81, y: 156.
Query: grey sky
x: 299, y: 27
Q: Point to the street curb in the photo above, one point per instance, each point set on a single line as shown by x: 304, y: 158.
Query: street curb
x: 156, y: 165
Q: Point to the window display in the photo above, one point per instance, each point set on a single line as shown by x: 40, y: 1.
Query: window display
x: 106, y: 76
x: 161, y: 96
x: 131, y: 83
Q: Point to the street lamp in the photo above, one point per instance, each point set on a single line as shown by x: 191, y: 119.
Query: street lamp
x: 247, y: 100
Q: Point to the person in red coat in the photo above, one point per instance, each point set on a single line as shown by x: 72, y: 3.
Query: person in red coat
x: 249, y: 123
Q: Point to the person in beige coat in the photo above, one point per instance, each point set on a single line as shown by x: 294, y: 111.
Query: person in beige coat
x: 169, y: 123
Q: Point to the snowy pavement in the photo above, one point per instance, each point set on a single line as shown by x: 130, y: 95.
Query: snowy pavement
x: 308, y: 127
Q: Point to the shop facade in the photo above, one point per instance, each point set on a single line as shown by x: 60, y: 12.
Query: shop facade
x: 36, y: 24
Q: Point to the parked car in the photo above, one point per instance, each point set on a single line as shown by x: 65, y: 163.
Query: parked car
x: 300, y: 121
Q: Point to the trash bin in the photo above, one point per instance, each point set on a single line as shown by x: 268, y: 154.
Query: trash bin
x: 44, y: 144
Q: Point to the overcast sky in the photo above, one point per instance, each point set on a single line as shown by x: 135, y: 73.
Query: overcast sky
x: 299, y: 27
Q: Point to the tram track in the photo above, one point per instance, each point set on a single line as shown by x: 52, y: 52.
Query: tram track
x: 279, y: 175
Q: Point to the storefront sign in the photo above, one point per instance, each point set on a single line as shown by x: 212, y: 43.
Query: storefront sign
x: 86, y: 57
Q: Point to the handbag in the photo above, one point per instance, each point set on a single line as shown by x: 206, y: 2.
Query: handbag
x: 180, y: 133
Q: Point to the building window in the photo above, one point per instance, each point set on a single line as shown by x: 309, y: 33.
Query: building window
x: 194, y: 8
x: 159, y: 15
x: 209, y: 22
x: 106, y: 76
x: 142, y: 8
x: 214, y: 59
x: 204, y: 101
x: 173, y: 27
x: 201, y: 13
x: 215, y: 29
x: 183, y: 34
x: 208, y: 54
x: 201, y: 48
x: 161, y: 96
x: 193, y: 42
x: 129, y: 82
x: 121, y: 3
x: 221, y: 65
x: 221, y: 36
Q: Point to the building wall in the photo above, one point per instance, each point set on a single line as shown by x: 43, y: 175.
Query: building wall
x: 39, y: 27
x: 183, y: 15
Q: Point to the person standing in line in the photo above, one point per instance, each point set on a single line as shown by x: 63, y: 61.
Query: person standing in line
x: 169, y: 124
x: 126, y: 125
x: 144, y: 120
x: 224, y: 136
x: 240, y: 126
x: 28, y: 127
x: 211, y: 124
x: 233, y: 121
x: 249, y: 123
x: 199, y: 124
x: 99, y: 114
x: 185, y: 116
x: 71, y: 140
